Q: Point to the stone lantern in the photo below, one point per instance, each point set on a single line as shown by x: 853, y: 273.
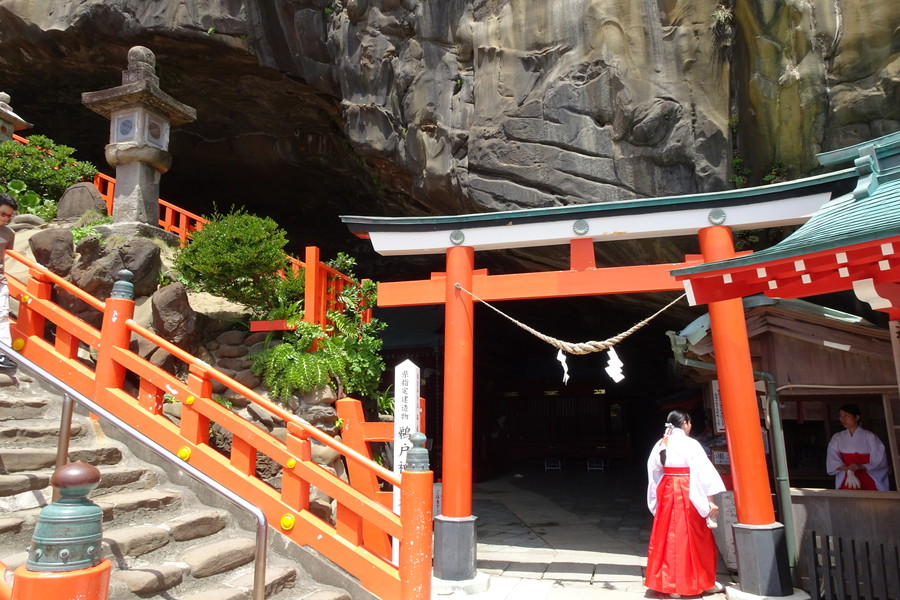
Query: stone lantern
x: 10, y: 122
x: 141, y: 116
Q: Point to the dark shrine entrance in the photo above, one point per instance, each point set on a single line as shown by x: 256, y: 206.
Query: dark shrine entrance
x: 524, y: 416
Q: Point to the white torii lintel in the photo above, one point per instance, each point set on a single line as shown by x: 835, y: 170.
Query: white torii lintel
x: 777, y: 205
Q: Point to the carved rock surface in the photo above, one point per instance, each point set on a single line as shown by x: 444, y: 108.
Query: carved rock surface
x: 308, y: 109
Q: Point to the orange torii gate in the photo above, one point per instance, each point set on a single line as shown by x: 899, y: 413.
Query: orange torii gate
x: 712, y: 216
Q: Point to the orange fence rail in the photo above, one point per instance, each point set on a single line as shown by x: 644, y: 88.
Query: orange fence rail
x: 134, y: 390
x: 324, y: 285
x: 358, y: 434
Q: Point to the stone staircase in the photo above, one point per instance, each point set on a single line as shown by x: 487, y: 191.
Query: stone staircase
x: 163, y: 541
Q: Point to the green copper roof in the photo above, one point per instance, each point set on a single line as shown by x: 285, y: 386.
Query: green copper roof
x: 708, y: 200
x: 871, y: 212
x: 884, y: 146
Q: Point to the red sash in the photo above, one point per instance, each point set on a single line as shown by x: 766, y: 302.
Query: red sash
x: 865, y: 480
x: 677, y: 470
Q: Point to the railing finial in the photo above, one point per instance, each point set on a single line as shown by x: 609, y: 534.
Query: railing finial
x: 417, y: 455
x: 123, y: 288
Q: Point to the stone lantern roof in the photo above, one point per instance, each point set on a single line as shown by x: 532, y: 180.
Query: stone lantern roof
x: 140, y: 85
x: 7, y: 114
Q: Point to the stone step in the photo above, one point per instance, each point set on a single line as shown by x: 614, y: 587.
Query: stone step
x: 115, y: 478
x: 35, y: 431
x: 15, y: 560
x: 278, y: 578
x: 146, y: 581
x: 170, y: 577
x: 222, y: 593
x: 14, y: 460
x: 136, y: 504
x: 219, y: 556
x: 129, y: 507
x: 163, y: 544
x: 139, y: 540
x: 20, y: 483
x: 10, y: 525
x: 197, y: 524
x: 26, y: 490
x: 22, y: 408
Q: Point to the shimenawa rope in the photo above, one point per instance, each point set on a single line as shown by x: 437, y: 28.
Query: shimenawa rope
x: 580, y: 347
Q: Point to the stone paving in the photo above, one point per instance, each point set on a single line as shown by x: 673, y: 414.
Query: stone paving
x: 560, y: 535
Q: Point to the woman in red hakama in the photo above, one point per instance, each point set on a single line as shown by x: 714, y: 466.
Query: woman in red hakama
x: 681, y: 557
x: 856, y: 456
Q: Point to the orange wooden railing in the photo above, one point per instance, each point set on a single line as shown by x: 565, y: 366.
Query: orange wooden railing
x: 134, y: 390
x: 358, y: 434
x: 324, y: 284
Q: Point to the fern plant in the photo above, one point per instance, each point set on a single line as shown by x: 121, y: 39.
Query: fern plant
x: 290, y: 367
x: 286, y: 370
x: 345, y: 356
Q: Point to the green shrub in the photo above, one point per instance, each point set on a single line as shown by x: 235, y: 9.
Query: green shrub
x: 345, y: 356
x: 86, y: 227
x: 29, y: 202
x: 739, y: 173
x: 43, y: 166
x: 292, y: 366
x: 237, y: 256
x: 777, y: 174
x: 288, y: 301
x: 721, y: 24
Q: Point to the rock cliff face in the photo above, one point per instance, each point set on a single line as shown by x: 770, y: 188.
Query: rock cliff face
x: 312, y: 108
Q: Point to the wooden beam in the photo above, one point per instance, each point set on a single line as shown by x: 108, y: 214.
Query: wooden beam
x: 529, y: 286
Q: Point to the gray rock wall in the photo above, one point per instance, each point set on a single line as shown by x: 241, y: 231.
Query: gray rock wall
x: 488, y: 104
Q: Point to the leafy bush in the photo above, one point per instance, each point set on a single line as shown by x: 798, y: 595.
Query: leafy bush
x: 288, y: 301
x: 777, y: 174
x: 237, y: 256
x: 43, y: 166
x: 87, y: 225
x: 384, y: 400
x: 739, y: 173
x: 346, y: 355
x: 29, y: 202
x: 721, y: 24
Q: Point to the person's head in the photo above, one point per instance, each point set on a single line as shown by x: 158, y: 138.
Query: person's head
x: 8, y: 208
x: 678, y: 419
x: 849, y: 415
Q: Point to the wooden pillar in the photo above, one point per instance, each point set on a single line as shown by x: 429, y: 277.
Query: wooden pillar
x: 458, y: 364
x: 760, y: 542
x: 454, y: 529
x: 753, y: 497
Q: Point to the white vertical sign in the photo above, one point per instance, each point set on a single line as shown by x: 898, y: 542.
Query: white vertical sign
x: 719, y: 420
x: 406, y: 422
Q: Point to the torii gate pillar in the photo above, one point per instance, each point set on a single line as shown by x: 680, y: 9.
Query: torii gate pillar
x: 763, y: 565
x: 454, y: 528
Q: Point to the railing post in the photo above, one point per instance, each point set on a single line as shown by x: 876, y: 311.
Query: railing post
x: 314, y: 292
x: 194, y: 426
x: 295, y: 489
x: 65, y: 558
x: 416, y: 507
x: 30, y: 322
x: 114, y: 333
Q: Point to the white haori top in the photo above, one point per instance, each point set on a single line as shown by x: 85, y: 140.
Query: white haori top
x: 862, y: 441
x: 683, y: 451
